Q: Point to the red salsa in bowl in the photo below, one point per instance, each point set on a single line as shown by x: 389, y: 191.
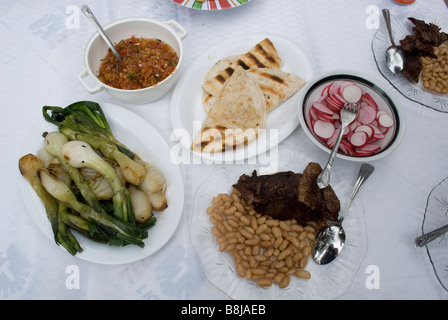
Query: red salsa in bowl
x: 146, y: 62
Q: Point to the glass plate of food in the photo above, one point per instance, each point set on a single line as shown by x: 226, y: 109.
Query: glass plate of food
x: 436, y: 216
x: 325, y: 282
x: 416, y: 92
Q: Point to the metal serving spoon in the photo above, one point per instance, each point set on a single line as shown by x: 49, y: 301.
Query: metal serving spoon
x: 331, y: 240
x: 430, y: 236
x: 395, y: 57
x: 89, y: 14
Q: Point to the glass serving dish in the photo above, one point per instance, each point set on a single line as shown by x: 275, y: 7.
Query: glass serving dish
x: 436, y: 216
x: 413, y: 91
x: 327, y: 281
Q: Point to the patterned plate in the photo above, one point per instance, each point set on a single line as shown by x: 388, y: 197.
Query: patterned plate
x: 413, y: 91
x: 211, y: 4
x: 436, y: 215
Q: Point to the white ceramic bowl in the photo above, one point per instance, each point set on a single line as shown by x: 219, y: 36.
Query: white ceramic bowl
x: 382, y: 95
x: 96, y: 49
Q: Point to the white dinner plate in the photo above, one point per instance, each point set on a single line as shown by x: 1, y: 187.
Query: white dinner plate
x: 140, y: 137
x: 187, y: 109
x: 328, y: 281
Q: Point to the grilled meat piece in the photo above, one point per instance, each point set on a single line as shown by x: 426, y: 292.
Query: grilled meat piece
x: 323, y: 201
x: 420, y: 43
x: 288, y: 195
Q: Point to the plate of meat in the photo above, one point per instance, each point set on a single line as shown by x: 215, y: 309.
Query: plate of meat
x: 254, y: 227
x: 423, y: 37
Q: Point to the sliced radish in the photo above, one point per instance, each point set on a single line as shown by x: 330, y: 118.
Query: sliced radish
x: 379, y: 113
x: 377, y: 133
x: 368, y: 98
x: 321, y: 99
x: 363, y: 153
x: 322, y: 109
x: 347, y: 131
x: 346, y: 147
x: 358, y: 139
x: 325, y: 90
x: 323, y: 129
x: 344, y: 84
x: 338, y: 98
x: 366, y: 115
x: 352, y: 93
x: 332, y: 140
x: 385, y: 120
x: 354, y: 125
x: 367, y: 150
x: 334, y: 88
x: 335, y: 102
x: 371, y: 147
x: 367, y: 129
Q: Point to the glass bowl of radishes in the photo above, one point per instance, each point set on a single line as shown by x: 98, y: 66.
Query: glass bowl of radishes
x: 378, y: 128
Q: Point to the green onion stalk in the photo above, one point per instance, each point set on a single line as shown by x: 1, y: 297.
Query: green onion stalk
x: 118, y: 229
x: 29, y: 166
x: 80, y: 154
x: 54, y: 141
x: 85, y: 121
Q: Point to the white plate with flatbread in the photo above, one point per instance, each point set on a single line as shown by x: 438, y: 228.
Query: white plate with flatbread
x: 188, y: 113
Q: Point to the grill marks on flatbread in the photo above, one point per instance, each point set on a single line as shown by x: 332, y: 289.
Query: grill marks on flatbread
x: 238, y: 93
x: 262, y: 55
x: 276, y: 85
x: 235, y: 117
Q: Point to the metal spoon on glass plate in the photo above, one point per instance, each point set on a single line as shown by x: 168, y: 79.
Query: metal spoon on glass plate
x: 89, y: 14
x: 331, y: 239
x: 430, y: 236
x: 395, y: 57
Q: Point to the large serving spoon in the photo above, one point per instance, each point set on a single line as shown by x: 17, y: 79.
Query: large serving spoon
x: 89, y: 14
x: 331, y: 239
x: 423, y: 240
x: 395, y: 57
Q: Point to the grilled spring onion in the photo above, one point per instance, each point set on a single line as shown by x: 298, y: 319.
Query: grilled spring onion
x: 29, y: 165
x: 80, y: 154
x: 85, y: 121
x: 122, y: 230
x: 54, y: 141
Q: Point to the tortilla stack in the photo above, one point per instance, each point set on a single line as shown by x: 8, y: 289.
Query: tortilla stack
x: 276, y: 85
x: 236, y: 116
x: 262, y: 55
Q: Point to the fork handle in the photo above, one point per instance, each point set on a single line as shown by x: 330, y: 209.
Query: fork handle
x: 323, y: 179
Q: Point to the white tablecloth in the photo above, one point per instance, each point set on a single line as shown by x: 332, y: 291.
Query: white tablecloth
x: 40, y: 61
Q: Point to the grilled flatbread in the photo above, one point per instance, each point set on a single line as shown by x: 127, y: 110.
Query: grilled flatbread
x: 236, y: 116
x: 276, y: 85
x: 262, y: 55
